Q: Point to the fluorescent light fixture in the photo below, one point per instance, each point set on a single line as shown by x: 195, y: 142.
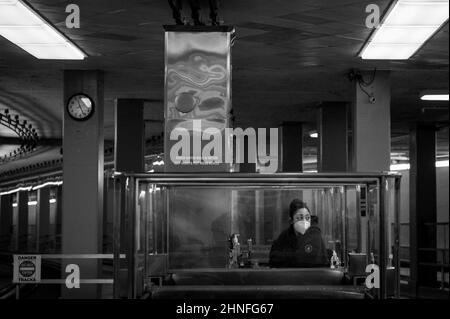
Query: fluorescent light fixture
x: 34, y: 202
x: 400, y: 167
x: 434, y: 97
x: 406, y: 166
x: 442, y: 163
x: 29, y: 188
x: 24, y: 27
x: 405, y: 28
x: 400, y: 158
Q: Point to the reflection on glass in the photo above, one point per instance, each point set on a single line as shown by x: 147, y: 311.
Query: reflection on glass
x: 196, y: 226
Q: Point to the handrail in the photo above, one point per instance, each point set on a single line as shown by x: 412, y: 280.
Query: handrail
x: 429, y: 224
x: 258, y: 175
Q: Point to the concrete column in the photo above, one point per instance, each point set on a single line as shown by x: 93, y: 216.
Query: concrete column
x: 422, y: 207
x: 129, y: 136
x: 83, y: 170
x: 22, y: 221
x: 372, y: 124
x: 6, y: 221
x: 291, y: 147
x: 129, y: 151
x: 333, y: 137
x: 42, y: 218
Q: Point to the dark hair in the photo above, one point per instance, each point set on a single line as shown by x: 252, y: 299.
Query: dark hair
x: 295, y: 205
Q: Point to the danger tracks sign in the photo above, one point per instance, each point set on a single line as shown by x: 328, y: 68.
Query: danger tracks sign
x: 27, y: 269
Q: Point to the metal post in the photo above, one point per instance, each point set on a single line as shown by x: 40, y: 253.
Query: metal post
x: 344, y: 214
x: 291, y: 146
x: 397, y: 235
x: 146, y: 207
x: 130, y: 198
x: 118, y: 200
x: 382, y: 241
x: 333, y: 137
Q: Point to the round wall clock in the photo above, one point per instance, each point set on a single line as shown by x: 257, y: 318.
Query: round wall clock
x: 80, y: 107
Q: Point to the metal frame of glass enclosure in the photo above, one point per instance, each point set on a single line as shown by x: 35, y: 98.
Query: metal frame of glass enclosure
x: 130, y: 281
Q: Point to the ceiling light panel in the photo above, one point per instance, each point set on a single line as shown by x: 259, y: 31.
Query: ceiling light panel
x: 24, y: 27
x: 435, y: 97
x: 406, y: 27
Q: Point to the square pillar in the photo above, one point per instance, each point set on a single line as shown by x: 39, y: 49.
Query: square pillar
x: 83, y: 171
x: 372, y: 124
x: 291, y: 147
x: 22, y: 221
x: 422, y: 206
x: 43, y: 218
x: 6, y: 221
x: 333, y: 137
x: 129, y: 136
x: 58, y: 219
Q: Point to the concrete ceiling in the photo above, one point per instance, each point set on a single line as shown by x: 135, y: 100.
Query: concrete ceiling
x: 288, y: 57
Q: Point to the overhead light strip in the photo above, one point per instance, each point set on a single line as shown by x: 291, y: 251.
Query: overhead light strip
x: 19, y: 189
x: 434, y: 97
x: 406, y: 27
x: 47, y: 184
x: 23, y: 26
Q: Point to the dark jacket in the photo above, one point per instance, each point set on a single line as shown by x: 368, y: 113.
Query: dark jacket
x: 297, y: 250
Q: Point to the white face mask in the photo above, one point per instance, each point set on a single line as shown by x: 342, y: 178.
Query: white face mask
x: 302, y: 226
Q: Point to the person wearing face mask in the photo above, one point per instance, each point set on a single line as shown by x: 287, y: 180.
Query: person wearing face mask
x: 300, y: 245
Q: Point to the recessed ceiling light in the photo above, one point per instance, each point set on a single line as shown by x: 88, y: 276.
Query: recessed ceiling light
x: 442, y: 163
x: 434, y: 97
x: 24, y: 27
x: 405, y: 28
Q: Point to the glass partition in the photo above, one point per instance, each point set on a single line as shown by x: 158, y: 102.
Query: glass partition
x: 221, y: 231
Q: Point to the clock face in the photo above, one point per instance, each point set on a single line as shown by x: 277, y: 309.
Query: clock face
x: 80, y: 107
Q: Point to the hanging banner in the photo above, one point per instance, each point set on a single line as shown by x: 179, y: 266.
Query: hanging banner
x: 197, y: 91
